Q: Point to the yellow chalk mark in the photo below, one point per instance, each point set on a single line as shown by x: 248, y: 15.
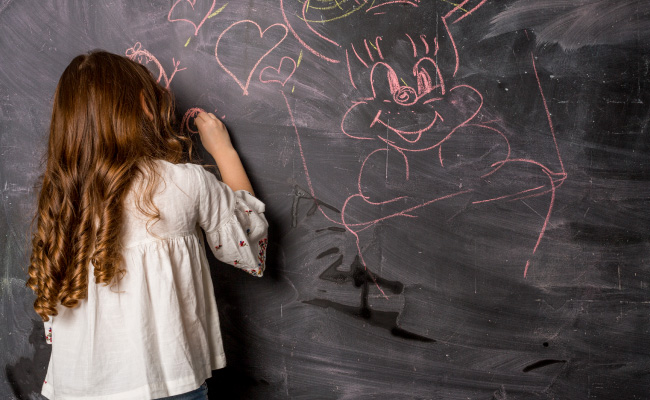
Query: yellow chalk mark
x: 188, y: 41
x: 405, y: 84
x: 218, y: 11
x: 299, y: 59
x: 292, y: 89
x: 322, y: 8
x: 455, y: 5
x: 346, y: 14
x: 372, y: 45
x: 338, y: 5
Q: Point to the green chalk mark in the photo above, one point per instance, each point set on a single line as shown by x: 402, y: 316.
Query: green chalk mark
x: 218, y: 11
x: 188, y: 41
x: 299, y: 59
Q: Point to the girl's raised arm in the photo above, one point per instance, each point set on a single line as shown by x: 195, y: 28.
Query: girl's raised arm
x: 215, y: 139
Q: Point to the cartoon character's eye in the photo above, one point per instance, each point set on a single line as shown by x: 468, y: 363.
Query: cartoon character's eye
x: 425, y: 84
x: 393, y: 81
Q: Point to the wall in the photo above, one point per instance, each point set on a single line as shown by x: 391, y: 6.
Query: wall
x: 458, y: 192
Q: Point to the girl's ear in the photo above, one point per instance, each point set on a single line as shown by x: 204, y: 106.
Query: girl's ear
x: 146, y: 110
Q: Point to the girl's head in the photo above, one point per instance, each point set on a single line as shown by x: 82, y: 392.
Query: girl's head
x: 106, y: 105
x: 110, y: 122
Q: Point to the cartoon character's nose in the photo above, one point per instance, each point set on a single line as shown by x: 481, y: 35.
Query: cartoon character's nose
x: 405, y: 96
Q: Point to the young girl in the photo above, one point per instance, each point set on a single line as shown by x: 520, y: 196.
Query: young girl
x: 118, y: 262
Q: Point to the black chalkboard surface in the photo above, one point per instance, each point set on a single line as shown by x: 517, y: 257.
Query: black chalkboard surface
x: 458, y: 191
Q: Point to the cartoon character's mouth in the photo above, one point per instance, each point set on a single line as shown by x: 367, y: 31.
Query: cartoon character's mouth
x: 407, y: 136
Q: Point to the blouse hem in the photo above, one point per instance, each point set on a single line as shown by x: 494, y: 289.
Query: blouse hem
x: 175, y: 387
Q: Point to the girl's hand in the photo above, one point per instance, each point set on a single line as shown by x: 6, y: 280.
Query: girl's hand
x: 214, y: 135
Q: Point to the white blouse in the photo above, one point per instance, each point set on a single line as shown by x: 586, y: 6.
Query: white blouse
x: 156, y: 332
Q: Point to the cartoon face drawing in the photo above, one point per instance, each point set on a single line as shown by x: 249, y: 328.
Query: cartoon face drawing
x: 422, y: 133
x: 410, y: 117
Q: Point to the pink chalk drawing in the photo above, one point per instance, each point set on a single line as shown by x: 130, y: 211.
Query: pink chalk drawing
x: 269, y: 74
x: 302, y: 13
x: 139, y: 54
x: 183, y: 9
x: 187, y: 119
x: 230, y: 36
x: 414, y: 118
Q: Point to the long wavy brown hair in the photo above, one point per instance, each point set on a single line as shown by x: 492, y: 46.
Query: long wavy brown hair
x: 110, y: 122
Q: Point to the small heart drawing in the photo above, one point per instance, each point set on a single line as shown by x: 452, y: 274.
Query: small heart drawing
x: 244, y: 86
x: 192, y: 3
x: 278, y: 71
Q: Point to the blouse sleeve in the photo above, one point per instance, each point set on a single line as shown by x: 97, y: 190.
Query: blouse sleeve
x: 48, y: 330
x: 234, y: 224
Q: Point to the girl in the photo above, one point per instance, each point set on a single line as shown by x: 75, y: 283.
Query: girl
x: 118, y: 262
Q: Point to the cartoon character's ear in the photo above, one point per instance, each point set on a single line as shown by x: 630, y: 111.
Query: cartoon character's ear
x: 383, y: 89
x: 425, y: 84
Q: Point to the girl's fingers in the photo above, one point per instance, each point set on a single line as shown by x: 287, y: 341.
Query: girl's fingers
x: 200, y: 116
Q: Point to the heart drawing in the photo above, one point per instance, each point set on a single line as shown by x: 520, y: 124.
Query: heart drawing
x: 266, y: 75
x: 192, y: 3
x: 230, y: 36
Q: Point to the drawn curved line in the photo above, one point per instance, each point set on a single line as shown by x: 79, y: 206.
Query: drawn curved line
x: 345, y: 116
x: 415, y: 49
x: 304, y: 161
x: 514, y: 196
x: 438, y: 73
x: 357, y: 54
x: 347, y: 61
x: 138, y: 52
x: 391, y: 76
x: 504, y: 138
x: 548, y: 217
x: 402, y: 133
x: 365, y: 42
x: 453, y: 130
x: 377, y: 39
x: 467, y: 14
x: 363, y: 165
x: 412, y: 3
x: 318, y: 21
x: 548, y: 114
x: 192, y: 3
x: 456, y: 8
x: 327, y: 8
x: 453, y: 44
x: 250, y: 75
x: 278, y: 70
x: 299, y: 39
x: 304, y: 9
x: 190, y: 113
x: 423, y: 38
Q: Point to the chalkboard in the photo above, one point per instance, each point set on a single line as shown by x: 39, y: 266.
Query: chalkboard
x: 458, y: 191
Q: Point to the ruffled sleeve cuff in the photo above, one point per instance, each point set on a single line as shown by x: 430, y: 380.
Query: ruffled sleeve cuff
x: 241, y: 239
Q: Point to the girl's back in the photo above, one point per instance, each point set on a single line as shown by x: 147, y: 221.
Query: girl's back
x: 152, y: 330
